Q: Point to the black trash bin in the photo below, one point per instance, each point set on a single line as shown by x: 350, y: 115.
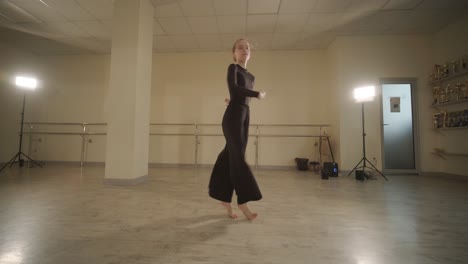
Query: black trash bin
x: 302, y: 163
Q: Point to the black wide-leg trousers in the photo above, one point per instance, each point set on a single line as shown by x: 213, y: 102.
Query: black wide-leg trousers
x: 231, y: 172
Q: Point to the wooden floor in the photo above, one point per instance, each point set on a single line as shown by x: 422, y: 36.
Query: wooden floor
x: 62, y: 214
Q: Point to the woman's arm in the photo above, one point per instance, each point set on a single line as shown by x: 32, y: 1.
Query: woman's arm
x: 234, y: 87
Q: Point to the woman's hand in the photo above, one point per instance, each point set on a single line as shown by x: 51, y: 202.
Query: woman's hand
x: 226, y: 101
x: 261, y: 95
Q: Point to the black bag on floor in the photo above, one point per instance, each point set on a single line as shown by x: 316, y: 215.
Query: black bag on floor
x: 302, y: 163
x: 360, y: 175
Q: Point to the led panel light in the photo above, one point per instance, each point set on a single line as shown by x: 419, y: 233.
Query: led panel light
x: 364, y: 94
x: 26, y: 82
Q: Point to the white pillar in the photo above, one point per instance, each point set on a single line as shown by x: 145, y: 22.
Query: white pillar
x: 128, y: 99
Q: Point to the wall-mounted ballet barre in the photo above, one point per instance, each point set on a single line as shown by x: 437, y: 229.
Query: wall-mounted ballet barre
x: 196, y: 134
x: 83, y: 134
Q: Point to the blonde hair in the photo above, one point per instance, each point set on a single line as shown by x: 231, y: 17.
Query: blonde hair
x: 234, y: 47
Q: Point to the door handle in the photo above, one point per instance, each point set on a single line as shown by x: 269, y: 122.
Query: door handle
x: 385, y: 124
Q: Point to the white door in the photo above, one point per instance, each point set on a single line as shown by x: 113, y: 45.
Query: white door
x: 398, y: 127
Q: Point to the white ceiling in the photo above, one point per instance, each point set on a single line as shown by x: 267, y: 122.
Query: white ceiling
x: 85, y: 26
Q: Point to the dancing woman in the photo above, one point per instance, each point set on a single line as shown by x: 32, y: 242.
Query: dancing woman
x: 231, y: 172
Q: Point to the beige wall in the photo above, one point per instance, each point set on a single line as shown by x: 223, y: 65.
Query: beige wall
x: 187, y: 88
x: 12, y: 62
x: 191, y: 88
x: 450, y: 44
x: 359, y: 61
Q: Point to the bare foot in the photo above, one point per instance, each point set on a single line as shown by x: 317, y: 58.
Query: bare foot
x: 229, y: 210
x: 251, y: 216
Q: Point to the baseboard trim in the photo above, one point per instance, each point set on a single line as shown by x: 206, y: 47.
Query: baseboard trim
x: 276, y: 167
x: 444, y: 175
x: 72, y: 163
x: 125, y: 182
x: 170, y: 165
x: 209, y: 166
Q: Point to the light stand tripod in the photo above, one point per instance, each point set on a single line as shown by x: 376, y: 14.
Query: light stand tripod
x: 20, y: 153
x: 364, y: 159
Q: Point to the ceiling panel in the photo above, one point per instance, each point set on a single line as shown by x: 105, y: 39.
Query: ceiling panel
x: 92, y: 44
x: 174, y: 25
x: 68, y: 29
x: 163, y: 2
x: 169, y: 10
x: 365, y: 6
x: 94, y: 28
x: 284, y: 40
x: 324, y: 6
x: 445, y: 4
x: 304, y: 43
x: 260, y: 41
x: 296, y: 6
x: 15, y: 13
x: 16, y: 34
x: 315, y: 41
x: 40, y: 29
x: 227, y: 41
x: 319, y: 22
x: 291, y: 22
x: 399, y: 19
x: 157, y: 29
x: 417, y: 18
x: 108, y: 23
x: 53, y: 47
x: 203, y: 25
x: 375, y: 23
x: 263, y: 6
x: 429, y: 21
x: 232, y: 24
x: 350, y: 22
x: 209, y: 42
x: 197, y: 8
x: 261, y: 23
x: 100, y: 9
x: 394, y: 19
x: 401, y: 4
x: 69, y: 9
x: 229, y: 7
x: 185, y: 43
x: 163, y: 43
x: 5, y: 20
x: 40, y: 10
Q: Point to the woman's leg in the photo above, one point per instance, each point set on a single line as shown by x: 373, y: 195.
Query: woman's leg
x: 245, y: 131
x: 245, y: 139
x: 229, y: 210
x: 246, y: 211
x: 220, y: 186
x: 244, y: 183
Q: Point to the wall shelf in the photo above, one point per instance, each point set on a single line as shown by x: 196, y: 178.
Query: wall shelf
x: 444, y: 154
x: 464, y: 101
x: 451, y: 77
x: 448, y: 113
x: 451, y: 128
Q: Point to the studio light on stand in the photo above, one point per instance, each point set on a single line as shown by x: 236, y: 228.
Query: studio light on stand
x: 362, y: 95
x: 24, y: 83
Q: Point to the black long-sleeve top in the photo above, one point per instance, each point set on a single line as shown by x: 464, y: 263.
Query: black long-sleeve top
x: 240, y: 83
